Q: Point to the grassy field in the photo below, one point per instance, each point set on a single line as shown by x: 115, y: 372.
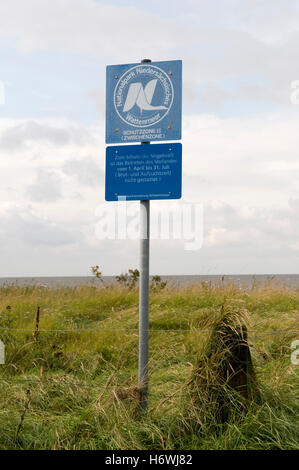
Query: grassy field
x: 73, y: 386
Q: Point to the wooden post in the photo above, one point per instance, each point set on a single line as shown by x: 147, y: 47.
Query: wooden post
x: 238, y: 370
x: 223, y: 380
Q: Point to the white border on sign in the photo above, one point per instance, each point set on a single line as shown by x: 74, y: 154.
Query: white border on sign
x: 170, y: 106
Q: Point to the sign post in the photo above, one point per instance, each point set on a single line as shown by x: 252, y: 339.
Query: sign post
x: 144, y: 302
x: 143, y: 104
x: 143, y: 352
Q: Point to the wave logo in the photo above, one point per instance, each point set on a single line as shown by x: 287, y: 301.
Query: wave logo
x: 143, y: 95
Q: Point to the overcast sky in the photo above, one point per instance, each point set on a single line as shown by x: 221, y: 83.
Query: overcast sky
x: 240, y: 131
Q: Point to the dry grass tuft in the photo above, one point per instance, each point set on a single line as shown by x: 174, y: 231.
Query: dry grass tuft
x: 128, y: 393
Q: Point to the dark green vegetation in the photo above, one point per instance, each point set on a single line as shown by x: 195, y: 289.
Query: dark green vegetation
x: 76, y: 389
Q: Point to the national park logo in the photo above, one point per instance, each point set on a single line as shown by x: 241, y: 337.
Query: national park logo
x: 143, y: 95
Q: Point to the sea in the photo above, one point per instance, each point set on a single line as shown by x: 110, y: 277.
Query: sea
x: 242, y: 280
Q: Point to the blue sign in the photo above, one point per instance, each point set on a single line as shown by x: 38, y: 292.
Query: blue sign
x: 140, y: 172
x: 144, y: 102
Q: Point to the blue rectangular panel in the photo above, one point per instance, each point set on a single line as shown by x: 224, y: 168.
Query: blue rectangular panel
x: 144, y: 102
x: 140, y: 172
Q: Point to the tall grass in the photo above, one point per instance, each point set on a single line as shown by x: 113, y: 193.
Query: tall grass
x: 72, y: 386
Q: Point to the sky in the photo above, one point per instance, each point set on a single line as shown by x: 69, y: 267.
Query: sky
x: 240, y: 132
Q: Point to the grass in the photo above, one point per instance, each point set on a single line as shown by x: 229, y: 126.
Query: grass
x: 74, y: 389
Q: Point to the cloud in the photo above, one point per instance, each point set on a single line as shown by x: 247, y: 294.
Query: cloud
x: 85, y: 26
x: 294, y: 204
x: 249, y: 160
x: 23, y: 225
x: 46, y: 188
x: 242, y: 170
x: 267, y: 20
x: 232, y: 51
x: 20, y: 135
x: 239, y: 59
x: 86, y: 171
x: 273, y: 229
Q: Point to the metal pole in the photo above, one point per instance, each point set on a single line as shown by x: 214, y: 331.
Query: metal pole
x: 144, y: 302
x: 144, y: 297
